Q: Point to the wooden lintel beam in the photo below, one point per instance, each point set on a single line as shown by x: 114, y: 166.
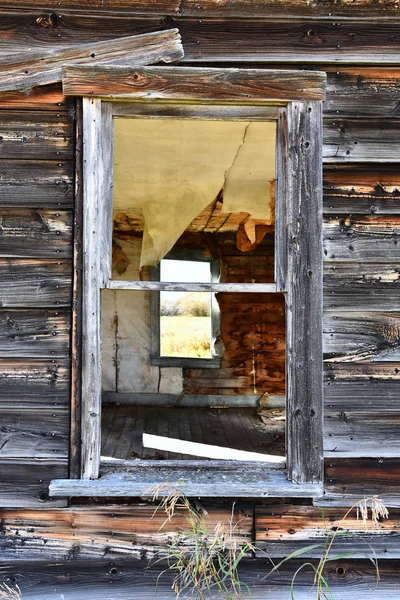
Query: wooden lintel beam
x: 243, y: 86
x: 30, y: 69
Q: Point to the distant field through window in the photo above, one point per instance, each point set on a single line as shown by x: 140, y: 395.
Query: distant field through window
x: 185, y: 317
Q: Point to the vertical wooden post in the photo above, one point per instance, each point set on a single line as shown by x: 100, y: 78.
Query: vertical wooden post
x: 92, y: 279
x: 303, y: 220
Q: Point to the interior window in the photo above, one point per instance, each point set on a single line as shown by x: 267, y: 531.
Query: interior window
x: 185, y: 317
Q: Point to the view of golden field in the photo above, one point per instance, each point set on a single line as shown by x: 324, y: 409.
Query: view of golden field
x: 185, y: 336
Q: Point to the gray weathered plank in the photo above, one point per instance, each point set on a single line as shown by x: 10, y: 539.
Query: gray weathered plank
x: 34, y: 233
x: 44, y: 66
x: 36, y: 333
x: 247, y: 86
x: 196, y: 111
x: 24, y: 482
x: 355, y: 336
x: 256, y: 288
x: 36, y: 135
x: 30, y: 183
x: 257, y: 482
x: 31, y: 282
x: 33, y: 433
x: 92, y: 280
x: 303, y: 212
x: 29, y: 383
x: 348, y: 579
x: 361, y: 189
x: 361, y: 286
x: 361, y: 140
x: 190, y: 399
x: 372, y: 239
x: 281, y: 200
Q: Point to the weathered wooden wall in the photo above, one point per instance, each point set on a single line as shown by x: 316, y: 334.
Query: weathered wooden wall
x: 361, y: 289
x: 36, y: 204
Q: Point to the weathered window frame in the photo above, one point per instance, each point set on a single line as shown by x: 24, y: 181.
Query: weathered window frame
x: 155, y: 334
x: 295, y: 97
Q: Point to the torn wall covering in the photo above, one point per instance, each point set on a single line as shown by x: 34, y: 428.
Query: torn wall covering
x: 168, y: 171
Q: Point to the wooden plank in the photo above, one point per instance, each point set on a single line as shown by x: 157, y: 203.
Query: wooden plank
x: 362, y: 189
x: 304, y: 293
x: 349, y: 479
x: 107, y: 184
x: 255, y: 288
x: 77, y: 294
x: 219, y: 40
x: 33, y: 433
x: 196, y: 111
x: 283, y: 529
x: 371, y: 239
x: 291, y: 40
x: 388, y: 9
x: 138, y: 531
x: 48, y: 98
x: 175, y: 445
x: 36, y: 184
x: 362, y: 91
x: 175, y: 361
x: 247, y: 86
x: 29, y: 383
x: 190, y: 400
x: 24, y: 482
x: 36, y: 135
x: 44, y: 66
x: 361, y: 286
x: 361, y: 335
x: 257, y: 482
x: 35, y: 333
x: 358, y: 432
x: 34, y: 283
x: 92, y: 279
x: 34, y: 233
x: 361, y: 140
x: 281, y: 201
x: 349, y: 579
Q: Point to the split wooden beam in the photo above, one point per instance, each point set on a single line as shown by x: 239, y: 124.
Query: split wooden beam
x: 245, y: 86
x: 30, y: 69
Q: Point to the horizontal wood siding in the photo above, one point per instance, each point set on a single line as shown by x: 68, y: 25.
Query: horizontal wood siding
x: 361, y: 323
x: 36, y: 201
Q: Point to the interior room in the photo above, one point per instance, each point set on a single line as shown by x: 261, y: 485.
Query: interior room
x: 193, y: 375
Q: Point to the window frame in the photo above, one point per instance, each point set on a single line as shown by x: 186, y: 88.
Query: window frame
x: 156, y: 359
x: 295, y: 98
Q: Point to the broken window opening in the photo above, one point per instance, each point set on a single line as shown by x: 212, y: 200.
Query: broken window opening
x: 224, y: 401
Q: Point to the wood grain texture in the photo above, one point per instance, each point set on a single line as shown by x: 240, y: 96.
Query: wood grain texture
x: 219, y: 40
x: 104, y: 532
x: 34, y: 333
x: 349, y: 579
x: 256, y: 482
x: 282, y: 529
x: 367, y: 239
x: 351, y: 286
x: 240, y: 8
x: 361, y: 189
x: 36, y: 184
x: 44, y: 66
x: 33, y: 283
x: 303, y: 210
x: 92, y: 281
x: 361, y: 335
x: 349, y: 479
x: 361, y: 140
x: 34, y: 383
x: 35, y: 135
x: 35, y: 233
x: 48, y: 98
x: 247, y: 86
x: 33, y: 433
x: 30, y: 477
